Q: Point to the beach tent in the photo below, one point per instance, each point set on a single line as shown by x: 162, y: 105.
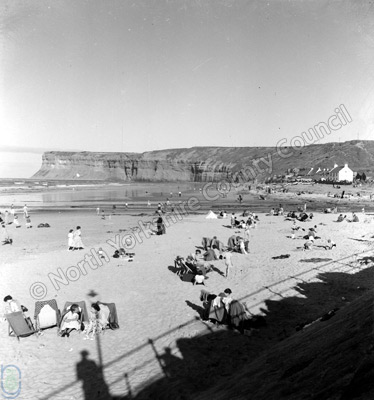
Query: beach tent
x: 211, y: 215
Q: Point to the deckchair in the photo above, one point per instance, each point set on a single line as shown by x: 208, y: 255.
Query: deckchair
x: 83, y: 317
x: 18, y: 325
x: 112, y: 319
x: 46, y: 314
x: 182, y: 267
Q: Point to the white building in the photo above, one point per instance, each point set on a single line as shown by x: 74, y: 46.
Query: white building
x: 339, y: 174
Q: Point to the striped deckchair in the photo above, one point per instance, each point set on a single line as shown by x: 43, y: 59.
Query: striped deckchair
x: 46, y: 314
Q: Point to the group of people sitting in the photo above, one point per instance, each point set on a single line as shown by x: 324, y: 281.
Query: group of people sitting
x: 121, y: 253
x: 224, y: 309
x: 354, y: 218
x: 251, y: 221
x: 310, y: 237
x: 72, y: 320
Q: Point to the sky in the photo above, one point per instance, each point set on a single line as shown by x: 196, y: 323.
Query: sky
x: 134, y: 76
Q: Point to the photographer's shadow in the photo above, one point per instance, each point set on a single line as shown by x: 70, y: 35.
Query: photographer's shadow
x: 91, y: 375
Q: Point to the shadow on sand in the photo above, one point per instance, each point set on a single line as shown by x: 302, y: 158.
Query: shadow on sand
x: 201, y: 362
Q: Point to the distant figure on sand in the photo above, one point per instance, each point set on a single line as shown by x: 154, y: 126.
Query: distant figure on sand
x: 308, y: 245
x: 25, y: 211
x: 77, y: 240
x: 330, y: 244
x: 6, y: 217
x: 161, y: 230
x: 28, y: 222
x: 354, y: 218
x: 98, y: 210
x: 6, y: 239
x: 228, y: 263
x: 71, y: 240
x: 16, y: 222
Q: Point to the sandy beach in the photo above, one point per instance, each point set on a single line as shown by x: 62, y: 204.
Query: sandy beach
x: 157, y: 311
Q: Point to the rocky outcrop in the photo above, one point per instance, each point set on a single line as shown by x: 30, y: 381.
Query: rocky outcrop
x: 201, y: 164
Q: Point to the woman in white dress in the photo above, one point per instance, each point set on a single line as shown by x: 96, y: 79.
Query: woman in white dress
x: 71, y: 240
x: 78, y: 244
x: 70, y: 321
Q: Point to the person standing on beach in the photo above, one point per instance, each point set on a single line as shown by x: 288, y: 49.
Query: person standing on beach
x: 227, y: 257
x: 25, y: 211
x: 98, y: 210
x: 6, y: 217
x: 233, y: 218
x: 15, y: 221
x: 78, y: 244
x: 12, y: 211
x: 71, y: 240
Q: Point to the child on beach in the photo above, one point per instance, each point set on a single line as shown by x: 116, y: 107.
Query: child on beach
x: 330, y: 244
x: 28, y: 222
x: 70, y: 321
x: 308, y: 245
x: 16, y: 222
x: 294, y: 229
x: 71, y: 240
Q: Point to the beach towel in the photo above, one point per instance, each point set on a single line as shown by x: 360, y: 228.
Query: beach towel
x: 18, y: 326
x: 46, y: 314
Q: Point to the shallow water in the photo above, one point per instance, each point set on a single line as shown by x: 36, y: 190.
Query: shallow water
x: 62, y: 194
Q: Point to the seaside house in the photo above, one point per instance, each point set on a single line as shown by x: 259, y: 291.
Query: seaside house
x: 318, y: 173
x: 339, y: 174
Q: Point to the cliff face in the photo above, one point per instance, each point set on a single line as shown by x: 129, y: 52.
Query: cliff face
x: 126, y: 167
x: 201, y: 164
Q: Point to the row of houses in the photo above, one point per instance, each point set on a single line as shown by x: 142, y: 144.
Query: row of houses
x: 336, y: 174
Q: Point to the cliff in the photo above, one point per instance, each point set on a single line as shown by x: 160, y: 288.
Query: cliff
x: 200, y: 164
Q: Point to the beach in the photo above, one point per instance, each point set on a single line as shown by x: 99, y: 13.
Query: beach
x: 156, y: 310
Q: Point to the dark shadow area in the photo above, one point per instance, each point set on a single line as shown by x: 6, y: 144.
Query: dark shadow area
x: 215, y: 269
x: 173, y: 269
x: 203, y: 361
x: 208, y: 358
x: 361, y: 240
x: 91, y: 375
x: 315, y: 260
x: 197, y: 308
